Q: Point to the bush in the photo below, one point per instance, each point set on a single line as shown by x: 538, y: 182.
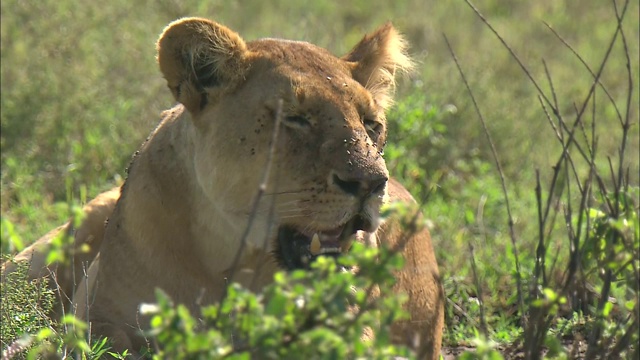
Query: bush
x: 321, y: 313
x: 316, y: 314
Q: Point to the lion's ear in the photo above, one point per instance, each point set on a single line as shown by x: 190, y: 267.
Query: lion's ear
x: 198, y: 56
x: 376, y: 59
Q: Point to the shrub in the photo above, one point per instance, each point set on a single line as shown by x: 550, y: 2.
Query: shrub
x: 316, y: 314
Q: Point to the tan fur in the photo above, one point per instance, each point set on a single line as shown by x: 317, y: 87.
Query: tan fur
x: 188, y: 198
x: 419, y: 279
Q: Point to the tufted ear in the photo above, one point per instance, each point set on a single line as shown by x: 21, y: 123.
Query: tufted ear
x: 375, y: 60
x: 197, y: 57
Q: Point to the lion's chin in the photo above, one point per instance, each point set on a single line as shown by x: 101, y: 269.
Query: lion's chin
x: 297, y: 249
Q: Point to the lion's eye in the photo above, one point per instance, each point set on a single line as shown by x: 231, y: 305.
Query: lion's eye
x: 297, y: 121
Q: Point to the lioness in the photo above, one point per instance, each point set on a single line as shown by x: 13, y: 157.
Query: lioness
x: 187, y: 200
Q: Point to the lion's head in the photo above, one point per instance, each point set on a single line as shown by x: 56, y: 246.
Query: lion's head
x: 328, y: 177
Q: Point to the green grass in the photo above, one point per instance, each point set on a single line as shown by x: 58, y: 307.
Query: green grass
x: 80, y: 91
x: 25, y: 306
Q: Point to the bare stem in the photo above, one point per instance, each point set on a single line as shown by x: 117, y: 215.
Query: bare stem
x: 256, y: 201
x: 502, y: 180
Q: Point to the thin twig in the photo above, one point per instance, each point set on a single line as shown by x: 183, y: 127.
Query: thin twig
x: 541, y: 93
x: 568, y: 46
x: 87, y: 307
x: 256, y: 202
x: 461, y: 311
x: 513, y: 54
x: 272, y: 212
x: 502, y: 180
x: 547, y: 73
x: 556, y: 130
x: 627, y: 123
x: 541, y: 250
x: 483, y: 320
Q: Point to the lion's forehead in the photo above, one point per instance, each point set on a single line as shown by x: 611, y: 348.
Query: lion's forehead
x: 312, y: 79
x: 304, y: 65
x: 304, y: 56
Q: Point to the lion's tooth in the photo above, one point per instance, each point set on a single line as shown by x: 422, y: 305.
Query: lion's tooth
x: 330, y: 250
x: 345, y: 245
x: 315, y: 245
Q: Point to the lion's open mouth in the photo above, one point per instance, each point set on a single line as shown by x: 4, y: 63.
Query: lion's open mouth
x: 297, y: 249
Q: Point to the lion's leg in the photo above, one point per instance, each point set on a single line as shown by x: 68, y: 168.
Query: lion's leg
x: 119, y: 339
x: 64, y: 277
x: 420, y: 280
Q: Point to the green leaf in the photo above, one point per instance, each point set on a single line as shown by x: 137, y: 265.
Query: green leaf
x: 276, y: 305
x: 550, y: 294
x: 8, y: 231
x: 606, y: 310
x: 630, y: 305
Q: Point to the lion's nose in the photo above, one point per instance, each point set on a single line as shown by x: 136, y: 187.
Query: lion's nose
x: 360, y: 186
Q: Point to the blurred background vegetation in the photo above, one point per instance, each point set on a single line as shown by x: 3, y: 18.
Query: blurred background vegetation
x: 80, y: 91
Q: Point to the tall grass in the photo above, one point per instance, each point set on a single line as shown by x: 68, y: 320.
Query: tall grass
x: 601, y: 219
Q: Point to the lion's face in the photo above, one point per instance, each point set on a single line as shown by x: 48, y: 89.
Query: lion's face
x: 327, y: 178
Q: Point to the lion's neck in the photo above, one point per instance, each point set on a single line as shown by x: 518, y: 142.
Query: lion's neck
x: 166, y: 210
